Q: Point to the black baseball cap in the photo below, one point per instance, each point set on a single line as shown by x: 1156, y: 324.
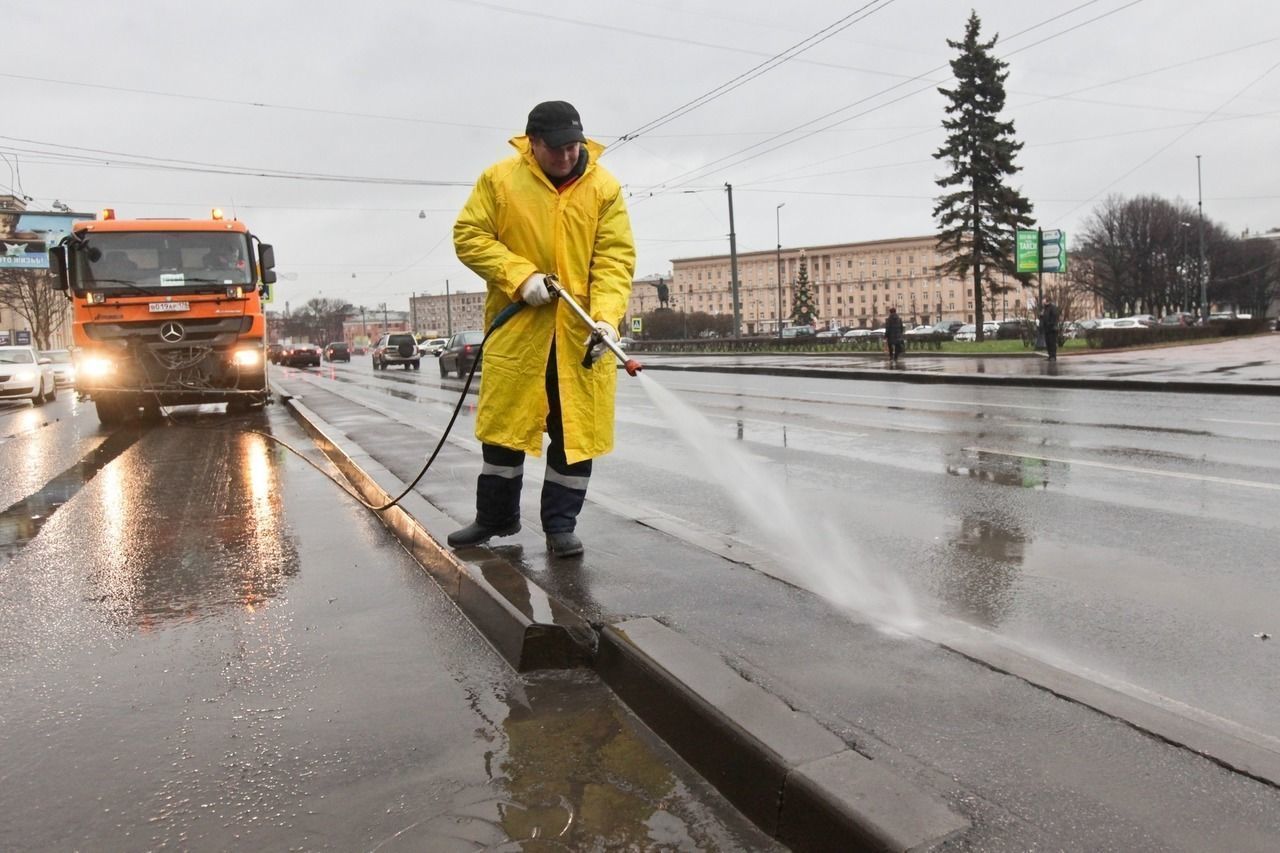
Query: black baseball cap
x: 556, y: 123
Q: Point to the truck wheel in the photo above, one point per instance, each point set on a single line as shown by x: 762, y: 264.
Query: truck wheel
x: 40, y: 397
x: 462, y: 374
x: 444, y: 371
x: 110, y: 412
x: 53, y: 393
x: 417, y: 364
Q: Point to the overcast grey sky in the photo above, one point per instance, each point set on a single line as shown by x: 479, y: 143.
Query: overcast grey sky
x: 142, y: 105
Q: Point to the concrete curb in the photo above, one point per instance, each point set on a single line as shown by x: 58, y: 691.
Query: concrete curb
x: 795, y: 779
x: 922, y: 378
x: 492, y: 594
x: 792, y: 777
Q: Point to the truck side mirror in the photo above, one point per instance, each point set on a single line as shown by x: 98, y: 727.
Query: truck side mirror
x: 58, y: 268
x: 267, y: 262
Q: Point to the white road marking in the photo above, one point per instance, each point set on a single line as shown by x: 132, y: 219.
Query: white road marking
x: 1208, y: 478
x: 1249, y: 423
x: 720, y: 389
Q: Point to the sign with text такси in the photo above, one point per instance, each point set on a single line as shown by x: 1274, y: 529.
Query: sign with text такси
x: 1028, y: 250
x: 1053, y: 251
x: 25, y: 237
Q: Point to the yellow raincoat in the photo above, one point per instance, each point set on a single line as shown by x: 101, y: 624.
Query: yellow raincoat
x: 515, y: 224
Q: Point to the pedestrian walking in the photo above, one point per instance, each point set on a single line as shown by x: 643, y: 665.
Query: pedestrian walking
x: 893, y: 335
x: 549, y: 209
x: 1049, y: 326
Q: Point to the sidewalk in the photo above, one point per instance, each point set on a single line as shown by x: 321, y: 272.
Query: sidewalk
x: 1234, y: 366
x: 826, y: 731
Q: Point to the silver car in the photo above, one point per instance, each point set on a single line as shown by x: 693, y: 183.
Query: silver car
x: 24, y: 375
x: 64, y: 369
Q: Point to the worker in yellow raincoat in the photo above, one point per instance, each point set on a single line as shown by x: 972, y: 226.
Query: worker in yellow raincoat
x: 550, y: 209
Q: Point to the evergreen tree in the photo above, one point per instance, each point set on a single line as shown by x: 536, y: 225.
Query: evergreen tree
x: 979, y: 213
x: 802, y: 300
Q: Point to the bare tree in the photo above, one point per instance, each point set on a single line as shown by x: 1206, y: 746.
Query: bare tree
x: 1141, y: 255
x: 30, y: 294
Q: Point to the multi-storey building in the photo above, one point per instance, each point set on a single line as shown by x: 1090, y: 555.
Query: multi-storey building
x: 445, y: 314
x: 853, y: 285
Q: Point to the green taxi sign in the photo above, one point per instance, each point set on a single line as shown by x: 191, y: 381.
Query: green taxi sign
x: 1028, y: 251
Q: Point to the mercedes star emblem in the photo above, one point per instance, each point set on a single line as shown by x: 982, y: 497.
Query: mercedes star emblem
x: 172, y: 333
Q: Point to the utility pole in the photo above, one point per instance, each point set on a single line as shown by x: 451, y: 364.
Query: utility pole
x: 777, y: 221
x: 364, y: 327
x: 448, y: 310
x: 1202, y: 269
x: 733, y: 268
x: 384, y: 318
x: 413, y: 311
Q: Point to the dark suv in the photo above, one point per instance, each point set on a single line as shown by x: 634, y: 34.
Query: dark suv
x: 396, y: 348
x: 337, y: 351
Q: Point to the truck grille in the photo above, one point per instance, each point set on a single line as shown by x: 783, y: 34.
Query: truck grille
x: 197, y: 331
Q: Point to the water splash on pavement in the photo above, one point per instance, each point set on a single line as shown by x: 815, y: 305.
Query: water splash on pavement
x: 819, y: 555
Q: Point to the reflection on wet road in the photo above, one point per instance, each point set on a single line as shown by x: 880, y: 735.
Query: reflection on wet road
x: 208, y: 646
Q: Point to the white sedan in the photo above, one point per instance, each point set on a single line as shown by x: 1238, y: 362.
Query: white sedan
x: 24, y: 375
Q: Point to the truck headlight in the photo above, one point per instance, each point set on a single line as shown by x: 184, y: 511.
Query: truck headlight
x: 247, y: 358
x: 96, y: 367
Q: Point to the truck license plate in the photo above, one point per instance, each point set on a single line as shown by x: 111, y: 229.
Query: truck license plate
x: 158, y: 307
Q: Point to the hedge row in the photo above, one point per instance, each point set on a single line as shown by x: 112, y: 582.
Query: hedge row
x: 1119, y: 338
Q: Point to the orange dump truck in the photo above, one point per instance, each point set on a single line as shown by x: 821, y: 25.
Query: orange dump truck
x: 166, y: 312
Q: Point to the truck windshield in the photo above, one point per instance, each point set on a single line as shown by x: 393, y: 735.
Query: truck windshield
x: 162, y: 261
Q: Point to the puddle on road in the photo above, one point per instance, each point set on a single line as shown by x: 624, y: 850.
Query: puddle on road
x: 20, y: 523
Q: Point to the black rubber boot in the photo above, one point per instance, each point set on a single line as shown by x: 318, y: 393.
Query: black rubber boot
x: 476, y: 533
x: 564, y: 544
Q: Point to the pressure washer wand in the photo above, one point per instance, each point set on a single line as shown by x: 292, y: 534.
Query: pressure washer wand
x: 629, y: 364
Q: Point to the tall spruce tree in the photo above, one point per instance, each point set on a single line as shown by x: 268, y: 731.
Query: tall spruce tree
x: 802, y: 301
x: 979, y: 213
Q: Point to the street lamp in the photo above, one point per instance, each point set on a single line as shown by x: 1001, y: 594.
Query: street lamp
x: 1202, y: 268
x: 777, y: 216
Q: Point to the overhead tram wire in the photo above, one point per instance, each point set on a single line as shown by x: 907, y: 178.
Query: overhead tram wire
x: 701, y: 173
x: 1040, y: 99
x: 805, y: 44
x: 177, y: 165
x: 1175, y: 140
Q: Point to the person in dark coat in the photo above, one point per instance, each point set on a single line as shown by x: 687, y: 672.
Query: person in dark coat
x: 893, y: 335
x: 1049, y: 325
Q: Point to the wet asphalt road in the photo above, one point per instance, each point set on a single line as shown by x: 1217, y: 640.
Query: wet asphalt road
x: 1126, y: 536
x: 203, y: 645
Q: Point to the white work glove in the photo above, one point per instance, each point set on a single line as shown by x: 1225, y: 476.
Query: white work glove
x: 534, y: 290
x: 606, y: 331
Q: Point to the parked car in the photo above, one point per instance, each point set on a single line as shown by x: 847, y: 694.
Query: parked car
x: 24, y: 375
x: 947, y: 328
x: 923, y: 331
x: 300, y: 355
x: 396, y: 348
x: 857, y: 333
x: 462, y: 351
x: 273, y: 352
x: 64, y: 369
x: 626, y: 342
x: 1178, y: 318
x: 1143, y: 319
x: 829, y: 333
x: 969, y: 332
x: 1015, y: 329
x: 1127, y: 323
x: 798, y: 332
x: 337, y: 351
x: 433, y: 346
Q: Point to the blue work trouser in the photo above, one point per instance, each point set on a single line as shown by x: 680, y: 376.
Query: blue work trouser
x: 564, y: 486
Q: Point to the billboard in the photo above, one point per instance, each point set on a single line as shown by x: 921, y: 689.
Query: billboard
x: 25, y: 237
